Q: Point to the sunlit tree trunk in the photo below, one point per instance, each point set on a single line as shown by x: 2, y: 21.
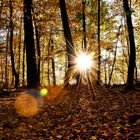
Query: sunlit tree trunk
x: 132, y: 56
x: 32, y: 76
x: 105, y: 69
x: 68, y: 40
x: 6, y: 61
x: 14, y: 73
x: 115, y: 55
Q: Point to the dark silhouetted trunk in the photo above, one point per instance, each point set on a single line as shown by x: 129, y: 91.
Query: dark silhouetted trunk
x: 37, y: 46
x: 38, y: 52
x: 84, y: 25
x: 68, y: 40
x: 19, y: 49
x: 42, y: 62
x: 32, y: 76
x: 53, y: 64
x: 132, y: 56
x: 48, y: 71
x: 14, y: 73
x: 48, y: 53
x: 99, y: 48
x: 23, y: 63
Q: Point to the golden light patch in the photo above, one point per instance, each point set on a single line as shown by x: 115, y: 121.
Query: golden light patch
x: 26, y: 105
x: 53, y: 92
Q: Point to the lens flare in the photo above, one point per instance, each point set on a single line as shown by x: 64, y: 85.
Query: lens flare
x: 43, y: 92
x: 83, y: 62
x: 26, y: 105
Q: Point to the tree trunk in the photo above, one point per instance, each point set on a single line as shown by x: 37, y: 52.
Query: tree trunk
x: 32, y: 76
x: 115, y: 54
x: 6, y: 61
x: 38, y: 47
x: 49, y: 45
x: 42, y: 62
x: 68, y: 40
x: 38, y: 53
x: 1, y: 4
x: 132, y: 56
x: 53, y: 64
x: 14, y: 73
x: 48, y: 71
x: 84, y: 25
x: 19, y: 48
x: 99, y: 48
x: 23, y: 63
x: 105, y: 62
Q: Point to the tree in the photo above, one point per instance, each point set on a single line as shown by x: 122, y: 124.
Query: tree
x: 68, y: 39
x: 132, y: 55
x: 16, y: 75
x: 53, y: 63
x: 84, y: 25
x: 32, y: 76
x: 37, y: 45
x: 99, y: 49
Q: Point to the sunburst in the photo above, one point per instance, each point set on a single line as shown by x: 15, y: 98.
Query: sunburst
x: 83, y: 61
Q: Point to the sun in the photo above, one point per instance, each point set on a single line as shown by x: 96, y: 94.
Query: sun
x: 83, y: 62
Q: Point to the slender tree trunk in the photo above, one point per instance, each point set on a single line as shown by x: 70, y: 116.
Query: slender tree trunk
x: 68, y: 40
x: 136, y: 74
x: 1, y: 4
x: 49, y: 45
x: 84, y: 25
x: 23, y: 63
x: 14, y: 73
x: 53, y: 64
x: 42, y: 62
x: 1, y: 71
x: 6, y: 61
x: 115, y: 54
x: 105, y: 62
x: 38, y: 53
x: 132, y: 56
x: 48, y: 71
x: 19, y: 48
x: 32, y: 76
x: 99, y: 48
x: 38, y: 47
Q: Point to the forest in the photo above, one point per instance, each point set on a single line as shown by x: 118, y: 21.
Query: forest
x: 69, y: 69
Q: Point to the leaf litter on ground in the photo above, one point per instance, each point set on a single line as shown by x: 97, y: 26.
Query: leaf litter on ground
x: 75, y: 113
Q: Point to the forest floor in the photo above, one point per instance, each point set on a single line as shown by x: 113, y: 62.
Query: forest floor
x: 78, y: 113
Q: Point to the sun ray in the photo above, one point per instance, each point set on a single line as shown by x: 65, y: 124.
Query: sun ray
x: 88, y: 73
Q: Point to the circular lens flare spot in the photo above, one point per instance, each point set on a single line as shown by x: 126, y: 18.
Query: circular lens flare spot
x: 43, y: 92
x: 83, y: 61
x: 26, y: 105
